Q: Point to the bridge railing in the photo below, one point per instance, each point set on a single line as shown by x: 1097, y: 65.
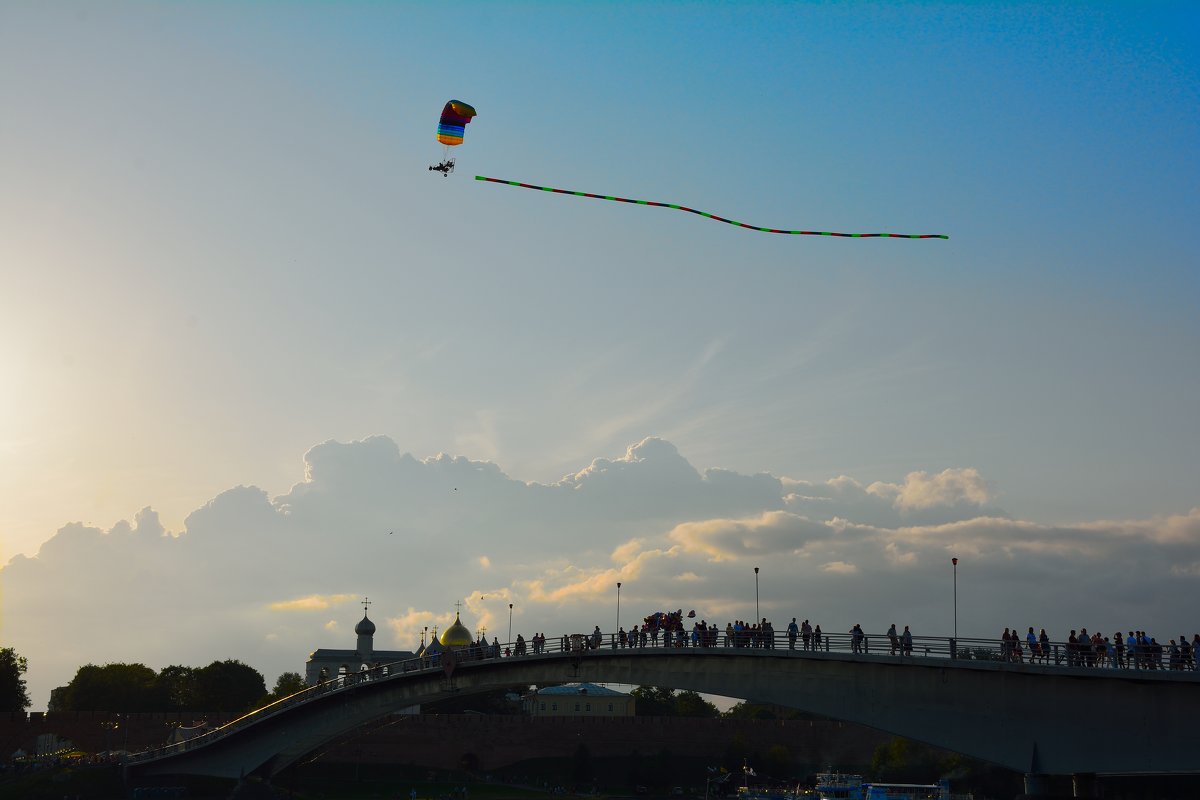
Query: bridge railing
x: 865, y: 645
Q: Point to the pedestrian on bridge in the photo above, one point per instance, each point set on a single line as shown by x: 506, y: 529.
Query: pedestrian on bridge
x: 793, y: 630
x: 856, y: 637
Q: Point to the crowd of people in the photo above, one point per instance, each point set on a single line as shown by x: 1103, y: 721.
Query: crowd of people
x: 1134, y: 650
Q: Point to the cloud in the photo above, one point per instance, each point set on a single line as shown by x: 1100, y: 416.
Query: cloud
x: 769, y: 533
x: 949, y: 488
x: 313, y: 602
x: 922, y: 499
x: 838, y: 552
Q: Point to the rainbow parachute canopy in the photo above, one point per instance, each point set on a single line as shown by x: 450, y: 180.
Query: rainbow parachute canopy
x: 453, y: 123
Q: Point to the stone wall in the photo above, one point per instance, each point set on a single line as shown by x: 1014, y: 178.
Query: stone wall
x: 447, y: 741
x: 492, y: 742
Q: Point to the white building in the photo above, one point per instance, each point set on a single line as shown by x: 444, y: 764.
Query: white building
x: 578, y: 700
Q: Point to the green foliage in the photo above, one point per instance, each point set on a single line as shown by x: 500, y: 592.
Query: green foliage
x: 229, y: 686
x: 287, y: 685
x: 13, y: 694
x: 112, y: 687
x: 221, y: 686
x: 777, y: 762
x: 901, y: 760
x: 659, y: 701
x: 737, y: 752
x: 653, y: 701
x: 690, y: 704
x: 177, y: 688
x: 747, y: 710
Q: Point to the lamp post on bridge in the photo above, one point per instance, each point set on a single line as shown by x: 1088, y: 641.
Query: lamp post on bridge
x: 756, y: 612
x: 954, y: 562
x: 618, y: 611
x: 510, y: 622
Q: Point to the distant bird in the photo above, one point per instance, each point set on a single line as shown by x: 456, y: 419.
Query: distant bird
x: 390, y: 533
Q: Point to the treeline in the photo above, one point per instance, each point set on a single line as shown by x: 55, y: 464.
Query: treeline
x: 662, y: 701
x: 14, y: 695
x: 229, y: 686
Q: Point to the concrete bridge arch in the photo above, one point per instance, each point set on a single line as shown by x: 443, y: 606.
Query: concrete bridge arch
x: 1033, y: 719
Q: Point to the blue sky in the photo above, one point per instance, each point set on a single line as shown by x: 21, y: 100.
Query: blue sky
x: 220, y: 247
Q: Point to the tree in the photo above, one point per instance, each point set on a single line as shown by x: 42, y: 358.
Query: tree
x: 746, y: 710
x: 229, y: 686
x: 778, y: 761
x: 287, y: 685
x: 177, y: 689
x: 13, y: 694
x: 901, y: 759
x: 690, y: 704
x: 654, y: 701
x: 113, y: 687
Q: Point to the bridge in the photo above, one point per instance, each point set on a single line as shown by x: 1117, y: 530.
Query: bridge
x: 1057, y: 716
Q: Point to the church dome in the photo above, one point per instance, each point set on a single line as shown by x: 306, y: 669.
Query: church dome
x: 365, y: 627
x: 457, y: 635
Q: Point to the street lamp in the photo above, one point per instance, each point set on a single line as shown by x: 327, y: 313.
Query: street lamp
x: 618, y: 608
x: 954, y: 561
x: 756, y: 613
x: 510, y: 622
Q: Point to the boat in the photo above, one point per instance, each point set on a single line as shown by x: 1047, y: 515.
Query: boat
x: 845, y: 786
x: 768, y: 793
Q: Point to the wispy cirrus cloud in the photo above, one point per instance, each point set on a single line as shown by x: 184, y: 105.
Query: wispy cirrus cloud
x: 312, y: 602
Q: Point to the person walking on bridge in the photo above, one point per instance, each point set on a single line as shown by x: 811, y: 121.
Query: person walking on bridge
x: 793, y: 630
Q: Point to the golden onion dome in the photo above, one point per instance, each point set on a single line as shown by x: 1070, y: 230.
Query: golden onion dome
x: 457, y: 635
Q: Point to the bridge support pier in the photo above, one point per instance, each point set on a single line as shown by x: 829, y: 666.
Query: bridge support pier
x: 1083, y: 784
x: 1035, y: 785
x: 1038, y: 786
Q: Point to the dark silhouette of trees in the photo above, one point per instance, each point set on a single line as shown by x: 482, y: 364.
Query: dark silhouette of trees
x: 229, y: 686
x: 221, y: 686
x: 659, y: 701
x: 653, y: 701
x: 112, y: 687
x: 287, y: 685
x: 177, y: 688
x: 905, y: 761
x: 13, y: 694
x: 691, y: 704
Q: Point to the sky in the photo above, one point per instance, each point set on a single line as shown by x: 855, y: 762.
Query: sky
x: 257, y: 362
